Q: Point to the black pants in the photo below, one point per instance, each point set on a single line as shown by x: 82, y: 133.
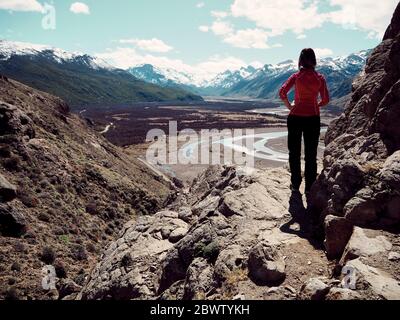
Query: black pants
x: 310, y: 127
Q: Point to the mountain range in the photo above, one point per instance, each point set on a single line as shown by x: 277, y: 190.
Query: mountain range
x: 258, y: 82
x: 83, y: 80
x: 79, y: 79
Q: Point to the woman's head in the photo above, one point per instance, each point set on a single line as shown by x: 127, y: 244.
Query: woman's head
x: 307, y: 59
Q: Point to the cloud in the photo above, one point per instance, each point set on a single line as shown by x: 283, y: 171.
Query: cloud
x: 21, y: 5
x: 219, y: 14
x: 200, y: 5
x: 367, y: 15
x: 201, y: 72
x: 152, y: 45
x: 79, y: 8
x: 248, y: 38
x: 204, y: 28
x: 280, y: 16
x: 301, y: 36
x: 323, y: 52
x: 221, y: 28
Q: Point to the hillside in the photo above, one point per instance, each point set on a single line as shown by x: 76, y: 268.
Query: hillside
x: 65, y: 192
x: 79, y: 79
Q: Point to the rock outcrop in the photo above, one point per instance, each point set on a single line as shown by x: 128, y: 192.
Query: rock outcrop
x: 361, y: 176
x: 359, y: 187
x: 232, y: 235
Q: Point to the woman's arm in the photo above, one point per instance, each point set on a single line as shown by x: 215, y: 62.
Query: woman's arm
x: 283, y: 92
x: 324, y: 92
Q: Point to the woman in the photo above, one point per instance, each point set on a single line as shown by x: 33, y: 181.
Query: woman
x: 311, y: 93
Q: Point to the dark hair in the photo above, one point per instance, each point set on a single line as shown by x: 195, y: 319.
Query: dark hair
x: 307, y: 59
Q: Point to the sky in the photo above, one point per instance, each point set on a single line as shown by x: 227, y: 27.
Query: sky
x: 206, y: 36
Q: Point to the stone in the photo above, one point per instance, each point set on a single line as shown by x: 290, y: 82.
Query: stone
x: 360, y: 211
x: 14, y: 121
x: 266, y: 265
x: 343, y: 294
x: 390, y: 172
x: 380, y: 282
x: 360, y: 245
x: 12, y: 222
x: 394, y: 256
x: 185, y: 214
x: 199, y: 280
x: 338, y: 231
x: 177, y: 234
x: 7, y: 190
x: 314, y: 289
x: 229, y: 260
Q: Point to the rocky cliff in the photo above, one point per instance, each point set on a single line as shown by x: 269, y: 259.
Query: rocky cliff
x: 65, y: 192
x: 359, y: 185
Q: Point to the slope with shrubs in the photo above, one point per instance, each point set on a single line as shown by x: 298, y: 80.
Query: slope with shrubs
x: 64, y: 193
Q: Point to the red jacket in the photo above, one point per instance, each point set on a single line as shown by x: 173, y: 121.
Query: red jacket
x: 309, y: 85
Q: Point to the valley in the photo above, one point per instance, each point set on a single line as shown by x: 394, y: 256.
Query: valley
x: 127, y: 126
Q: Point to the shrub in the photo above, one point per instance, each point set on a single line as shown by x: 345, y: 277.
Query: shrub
x: 60, y: 270
x: 28, y: 199
x: 48, y: 255
x: 44, y: 217
x: 79, y: 253
x: 209, y: 251
x: 16, y: 267
x: 12, y: 163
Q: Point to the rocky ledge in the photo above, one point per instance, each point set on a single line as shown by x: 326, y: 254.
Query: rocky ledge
x: 239, y: 234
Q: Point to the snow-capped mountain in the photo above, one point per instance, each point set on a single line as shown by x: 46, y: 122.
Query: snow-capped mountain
x: 265, y: 82
x: 79, y: 79
x: 11, y: 48
x: 256, y: 83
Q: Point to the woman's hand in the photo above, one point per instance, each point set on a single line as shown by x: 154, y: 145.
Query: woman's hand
x: 288, y: 105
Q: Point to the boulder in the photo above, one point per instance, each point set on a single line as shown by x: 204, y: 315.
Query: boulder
x: 342, y: 294
x: 394, y: 256
x: 12, y: 222
x: 379, y: 282
x: 314, y: 289
x: 7, y: 190
x: 177, y: 234
x: 14, y: 121
x: 360, y: 245
x: 266, y: 265
x: 338, y: 231
x: 199, y: 280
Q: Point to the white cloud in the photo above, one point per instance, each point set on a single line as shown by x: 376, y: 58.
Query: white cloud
x: 219, y: 14
x: 323, y: 52
x: 280, y: 16
x: 248, y: 38
x: 79, y: 8
x: 368, y: 15
x: 204, y: 28
x: 277, y: 45
x: 221, y: 28
x: 200, y: 5
x: 301, y: 36
x: 201, y: 72
x: 21, y: 5
x: 152, y: 45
